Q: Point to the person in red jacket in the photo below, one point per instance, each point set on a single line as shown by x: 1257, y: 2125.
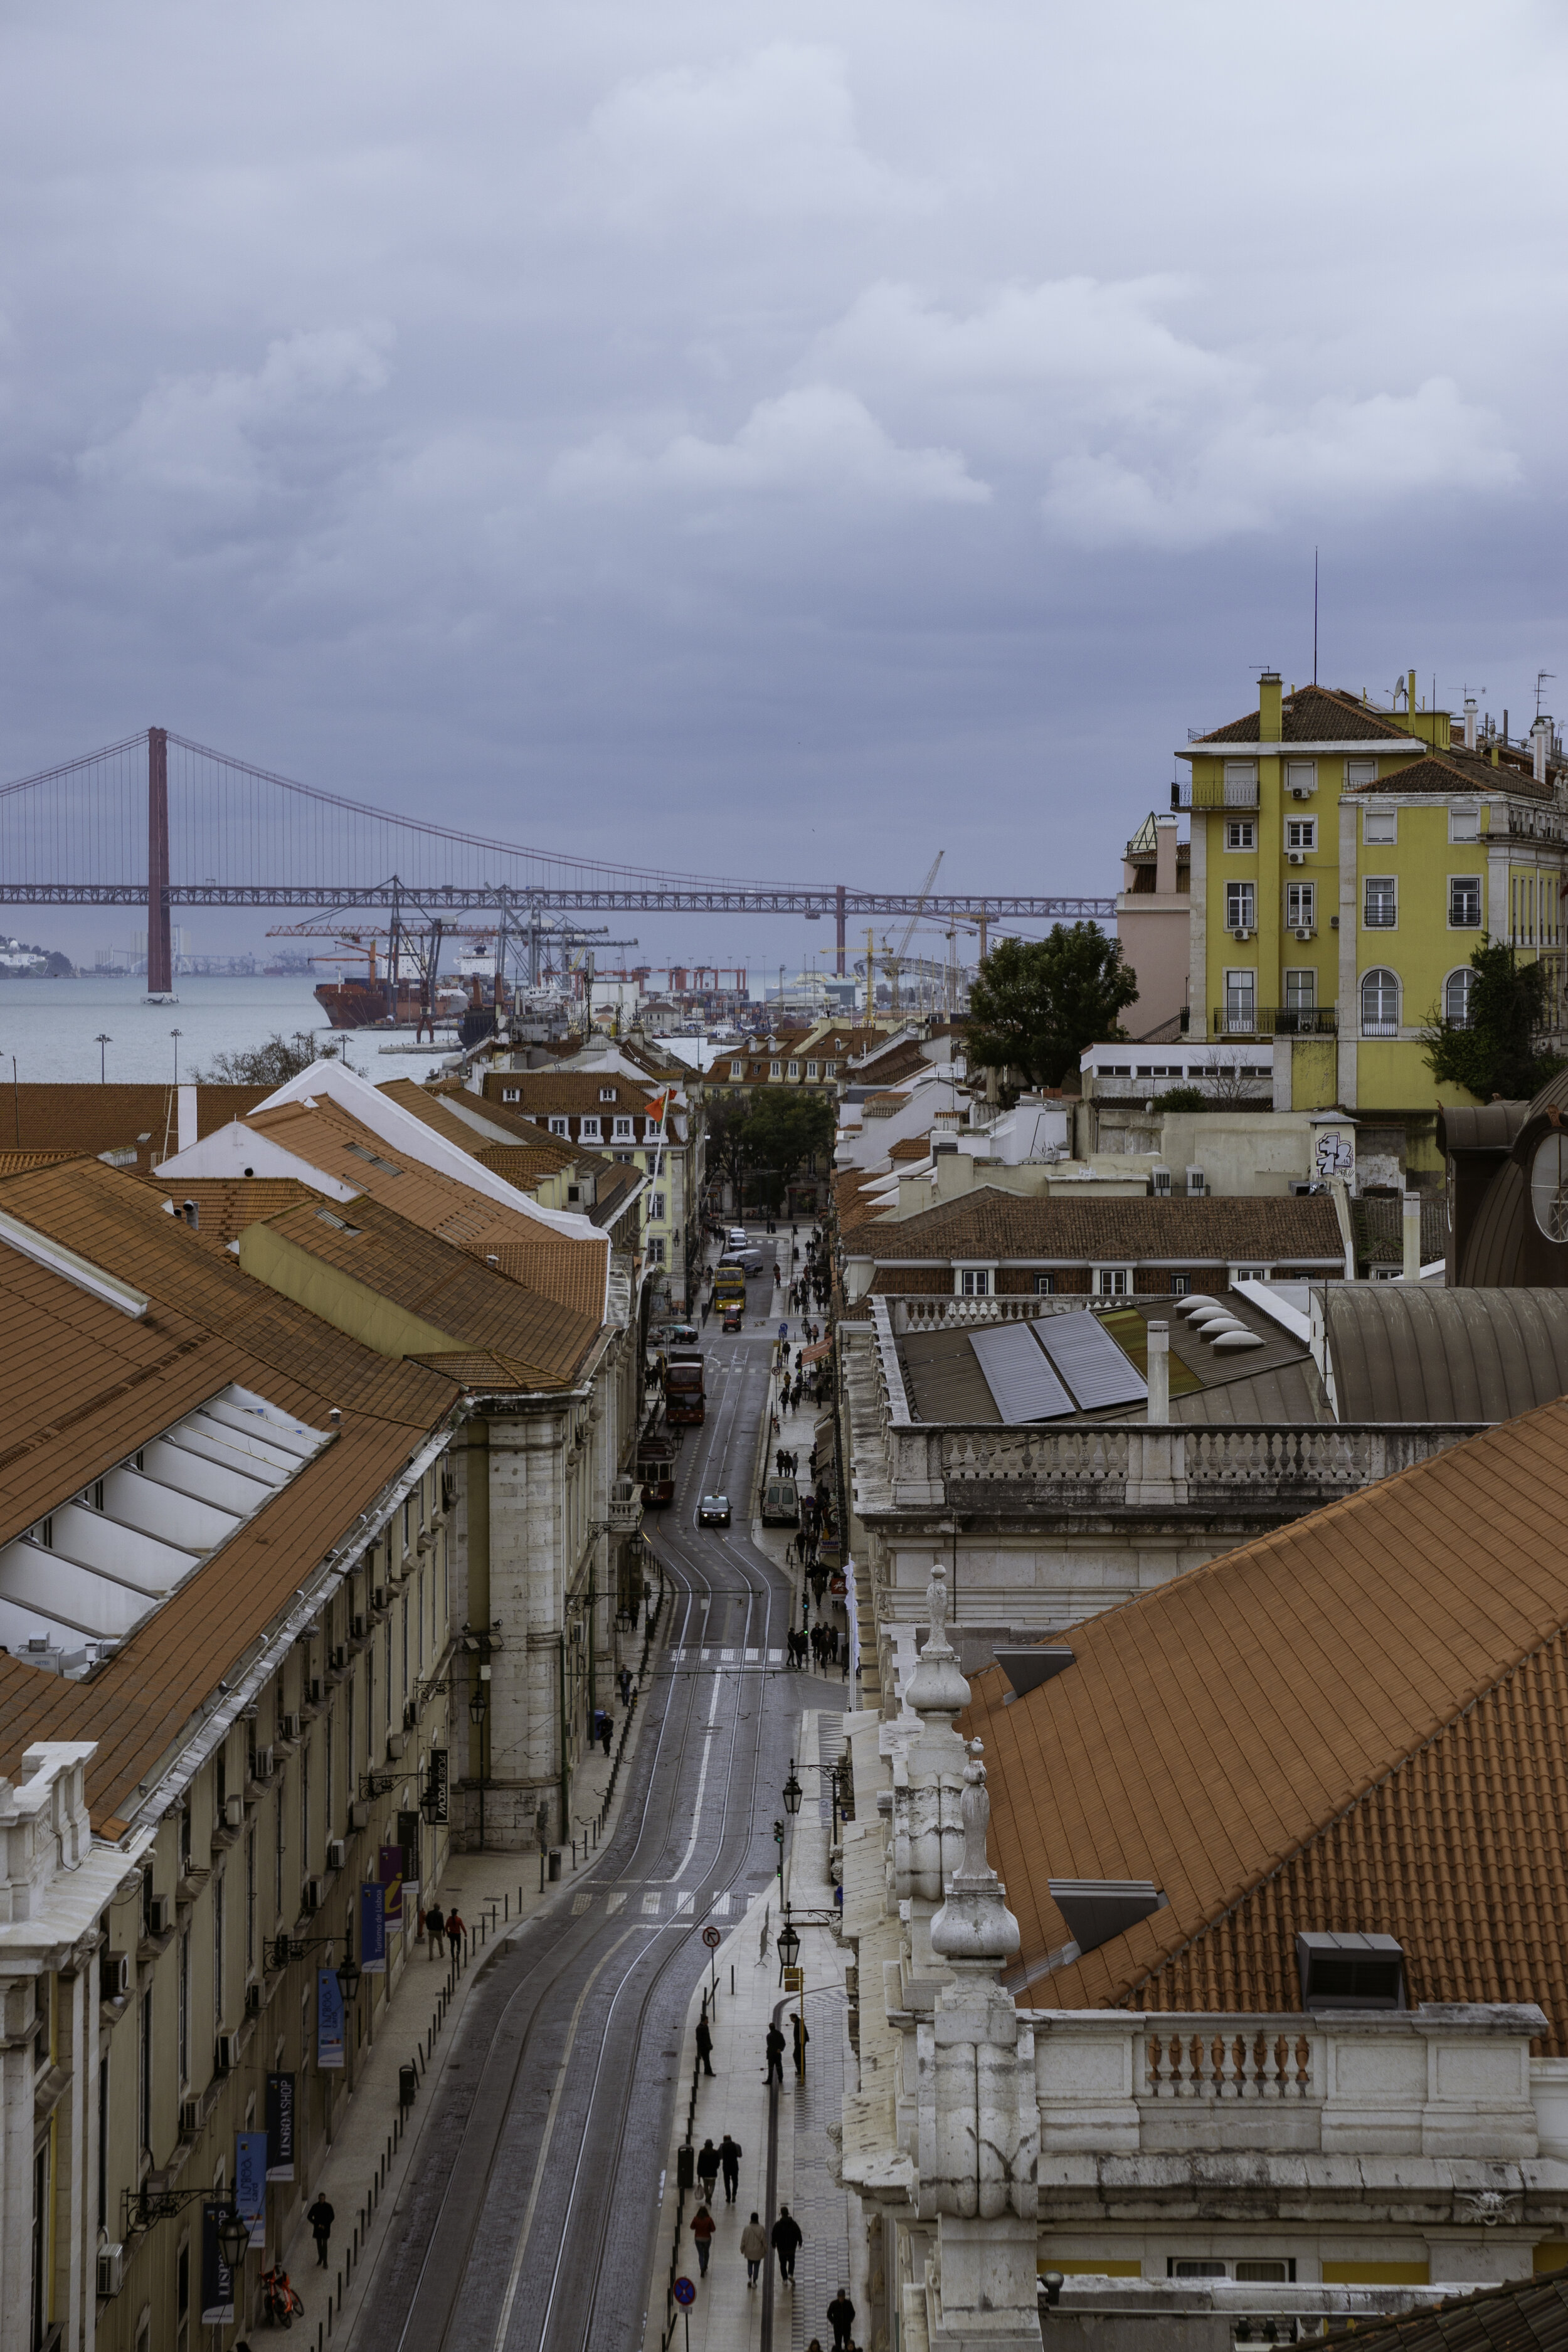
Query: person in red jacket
x: 703, y: 2226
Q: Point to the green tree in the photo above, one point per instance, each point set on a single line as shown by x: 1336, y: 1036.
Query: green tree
x: 726, y: 1147
x: 1036, y: 1004
x: 272, y: 1064
x: 784, y: 1129
x: 1496, y: 1050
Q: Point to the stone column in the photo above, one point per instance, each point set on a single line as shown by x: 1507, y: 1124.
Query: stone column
x: 928, y: 1781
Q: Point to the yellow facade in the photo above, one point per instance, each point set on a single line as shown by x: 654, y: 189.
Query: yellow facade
x: 1346, y: 861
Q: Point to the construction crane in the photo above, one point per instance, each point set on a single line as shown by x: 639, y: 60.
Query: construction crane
x: 893, y: 956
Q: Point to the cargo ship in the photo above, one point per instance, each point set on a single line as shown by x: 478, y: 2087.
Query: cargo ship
x: 363, y: 1004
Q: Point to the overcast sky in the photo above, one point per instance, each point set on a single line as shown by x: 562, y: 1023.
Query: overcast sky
x: 780, y: 442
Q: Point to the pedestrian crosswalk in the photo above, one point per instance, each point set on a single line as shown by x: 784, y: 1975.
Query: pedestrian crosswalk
x: 661, y: 1903
x: 759, y: 1658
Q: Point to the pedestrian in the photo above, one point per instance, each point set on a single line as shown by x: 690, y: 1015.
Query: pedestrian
x: 708, y: 2168
x: 606, y: 1728
x: 786, y: 2237
x: 798, y: 2027
x: 436, y: 1929
x: 704, y: 2043
x: 729, y: 2158
x: 703, y: 2226
x: 455, y: 1931
x: 320, y: 2217
x: 775, y: 2056
x: 754, y: 2246
x: 789, y: 1552
x: 626, y: 1685
x: 841, y: 2315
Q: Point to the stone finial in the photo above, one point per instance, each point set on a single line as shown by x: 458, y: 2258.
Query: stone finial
x: 974, y: 1922
x: 936, y: 1686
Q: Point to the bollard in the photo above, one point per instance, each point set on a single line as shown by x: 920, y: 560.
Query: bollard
x: 407, y: 2087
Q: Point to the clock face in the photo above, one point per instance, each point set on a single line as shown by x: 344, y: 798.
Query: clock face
x: 1549, y: 1186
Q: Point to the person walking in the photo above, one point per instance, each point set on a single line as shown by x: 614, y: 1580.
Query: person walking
x: 797, y: 2028
x: 703, y: 2226
x: 436, y: 1929
x: 775, y: 2056
x: 754, y: 2246
x: 841, y: 2319
x: 605, y: 1729
x: 708, y: 2169
x: 786, y: 2236
x: 704, y: 2044
x: 320, y: 2217
x: 456, y: 1932
x: 730, y: 2153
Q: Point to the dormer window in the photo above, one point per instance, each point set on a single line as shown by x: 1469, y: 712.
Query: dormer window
x: 1351, y: 1971
x: 608, y: 1094
x: 560, y: 1126
x: 775, y: 1070
x: 973, y: 1281
x: 737, y: 1069
x: 811, y: 1069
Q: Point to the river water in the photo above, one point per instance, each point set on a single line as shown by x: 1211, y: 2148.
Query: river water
x: 52, y: 1028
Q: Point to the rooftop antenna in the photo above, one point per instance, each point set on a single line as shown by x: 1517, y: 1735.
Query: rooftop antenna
x: 1314, y: 616
x: 1540, y: 677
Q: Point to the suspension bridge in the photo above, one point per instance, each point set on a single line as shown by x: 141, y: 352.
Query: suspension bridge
x: 158, y: 821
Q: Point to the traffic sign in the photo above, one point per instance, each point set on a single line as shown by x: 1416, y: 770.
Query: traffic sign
x: 685, y: 2292
x: 712, y: 1936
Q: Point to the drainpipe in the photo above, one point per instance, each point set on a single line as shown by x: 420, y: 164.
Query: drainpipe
x: 1413, y: 1237
x: 565, y: 1791
x: 1159, y: 1375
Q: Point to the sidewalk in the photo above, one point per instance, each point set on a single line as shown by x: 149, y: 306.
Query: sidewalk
x: 373, y: 2153
x: 728, y: 2313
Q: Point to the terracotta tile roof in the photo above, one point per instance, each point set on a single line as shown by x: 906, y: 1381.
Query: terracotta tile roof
x: 545, y: 1093
x: 1357, y: 1723
x: 911, y: 1147
x: 571, y: 1270
x: 850, y: 1200
x: 1456, y: 772
x: 1526, y: 2315
x: 111, y: 1118
x: 226, y: 1206
x: 1314, y: 714
x: 15, y: 1163
x: 1378, y: 1223
x: 1294, y: 1229
x: 423, y: 1103
x: 901, y: 1061
x: 453, y: 1288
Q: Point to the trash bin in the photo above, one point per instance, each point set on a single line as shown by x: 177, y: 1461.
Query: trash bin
x: 555, y: 1862
x: 686, y: 2167
x: 407, y: 2085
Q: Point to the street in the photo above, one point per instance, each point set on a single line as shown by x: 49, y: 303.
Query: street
x: 530, y: 2219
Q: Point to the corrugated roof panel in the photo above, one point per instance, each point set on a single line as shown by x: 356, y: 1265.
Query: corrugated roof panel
x: 1089, y: 1361
x: 1017, y: 1375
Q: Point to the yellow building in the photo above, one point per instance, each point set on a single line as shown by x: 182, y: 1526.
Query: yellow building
x: 1345, y: 862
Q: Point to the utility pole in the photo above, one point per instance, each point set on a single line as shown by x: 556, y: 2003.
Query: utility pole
x: 870, y: 975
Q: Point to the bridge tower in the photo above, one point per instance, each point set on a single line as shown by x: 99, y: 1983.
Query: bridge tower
x: 159, y: 948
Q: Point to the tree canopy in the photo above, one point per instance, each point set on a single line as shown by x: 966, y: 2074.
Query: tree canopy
x: 771, y: 1136
x: 1497, y: 1051
x: 271, y: 1064
x: 1036, y: 1004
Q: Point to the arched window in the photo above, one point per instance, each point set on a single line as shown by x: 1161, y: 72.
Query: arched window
x: 1457, y: 991
x: 1549, y: 1187
x: 1380, y: 1002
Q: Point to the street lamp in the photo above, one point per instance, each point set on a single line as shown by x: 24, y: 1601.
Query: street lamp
x: 349, y: 1973
x: 176, y: 1034
x: 478, y: 1705
x: 792, y: 1792
x: 102, y: 1041
x: 233, y: 2239
x: 788, y: 1945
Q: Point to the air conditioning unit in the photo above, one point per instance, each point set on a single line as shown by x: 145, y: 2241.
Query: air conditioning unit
x: 1196, y: 1184
x: 311, y: 1896
x: 263, y: 1767
x: 253, y: 2000
x: 1295, y: 857
x: 159, y: 1916
x: 223, y: 2054
x: 114, y: 1976
x: 359, y: 1813
x: 110, y: 2269
x: 288, y: 1727
x: 335, y: 1854
x: 1163, y: 1182
x: 1302, y: 792
x: 395, y: 1743
x: 1243, y: 931
x: 234, y: 1812
x: 190, y: 2118
x: 1304, y: 934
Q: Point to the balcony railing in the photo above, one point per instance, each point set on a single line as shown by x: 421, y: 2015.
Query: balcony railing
x: 1224, y: 791
x: 1276, y: 1021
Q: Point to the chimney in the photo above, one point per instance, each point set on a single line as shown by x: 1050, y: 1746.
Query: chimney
x: 1269, y: 716
x: 1540, y: 743
x: 1470, y: 722
x: 1165, y: 853
x: 1413, y: 1237
x: 1159, y: 1375
x: 1410, y: 694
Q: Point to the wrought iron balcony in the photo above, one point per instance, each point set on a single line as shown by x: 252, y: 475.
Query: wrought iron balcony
x: 1276, y: 1021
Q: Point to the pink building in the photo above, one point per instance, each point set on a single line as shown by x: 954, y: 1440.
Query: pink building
x: 1152, y: 915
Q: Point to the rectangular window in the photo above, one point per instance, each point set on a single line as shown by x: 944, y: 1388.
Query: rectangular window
x: 1181, y: 1286
x: 1302, y: 905
x: 737, y: 1069
x: 974, y: 1282
x: 1359, y: 774
x: 1301, y: 988
x: 1240, y: 1000
x: 1464, y: 902
x: 608, y: 1094
x: 1463, y: 824
x: 775, y: 1070
x: 656, y: 1208
x: 1380, y: 828
x: 588, y: 1130
x: 653, y: 1249
x: 185, y: 2011
x: 559, y: 1126
x: 1301, y: 833
x: 1112, y: 1281
x: 1301, y: 775
x: 829, y: 1068
x: 1240, y: 833
x: 623, y: 1130
x: 1044, y: 1285
x: 1380, y: 911
x: 1241, y: 906
x: 1241, y: 783
x: 512, y: 1094
x: 811, y: 1069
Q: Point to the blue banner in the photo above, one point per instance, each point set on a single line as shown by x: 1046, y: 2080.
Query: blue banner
x: 217, y: 2279
x: 329, y: 2019
x: 372, y: 1928
x: 280, y: 2127
x: 250, y: 2182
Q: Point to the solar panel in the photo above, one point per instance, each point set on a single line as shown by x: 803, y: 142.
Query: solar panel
x: 1089, y: 1361
x: 1021, y: 1382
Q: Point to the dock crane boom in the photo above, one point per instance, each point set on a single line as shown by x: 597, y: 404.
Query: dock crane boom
x: 895, y: 957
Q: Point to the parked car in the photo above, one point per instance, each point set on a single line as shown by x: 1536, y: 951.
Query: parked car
x: 714, y: 1511
x: 781, y: 1503
x: 734, y: 1317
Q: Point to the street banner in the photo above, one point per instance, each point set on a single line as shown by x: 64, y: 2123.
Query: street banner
x: 217, y: 2279
x: 329, y: 2019
x: 436, y: 1785
x: 250, y: 2182
x: 279, y: 2127
x: 373, y: 1929
x: 392, y: 1884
